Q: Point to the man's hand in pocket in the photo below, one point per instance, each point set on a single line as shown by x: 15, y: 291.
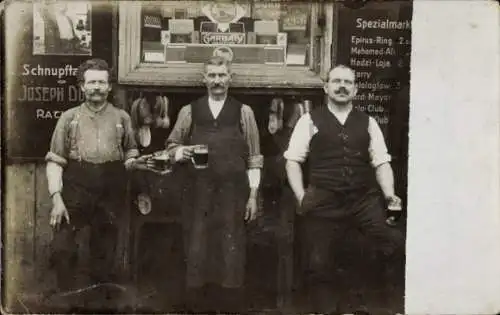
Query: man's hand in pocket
x: 300, y: 203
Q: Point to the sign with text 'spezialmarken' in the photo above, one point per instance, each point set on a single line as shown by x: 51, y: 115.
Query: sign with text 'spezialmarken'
x: 376, y: 43
x: 58, y: 36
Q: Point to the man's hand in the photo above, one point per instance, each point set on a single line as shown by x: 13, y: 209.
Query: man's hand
x: 141, y: 159
x: 300, y: 200
x: 184, y: 153
x: 135, y: 163
x: 144, y: 163
x: 147, y: 163
x: 393, y: 203
x: 251, y: 209
x: 300, y: 197
x: 58, y: 211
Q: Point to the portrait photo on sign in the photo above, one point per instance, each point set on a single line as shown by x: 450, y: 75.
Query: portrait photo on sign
x: 219, y: 156
x: 62, y: 28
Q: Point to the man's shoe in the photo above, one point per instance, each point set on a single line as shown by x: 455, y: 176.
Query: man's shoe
x: 144, y: 203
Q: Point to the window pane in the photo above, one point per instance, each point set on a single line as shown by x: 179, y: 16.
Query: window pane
x: 249, y: 32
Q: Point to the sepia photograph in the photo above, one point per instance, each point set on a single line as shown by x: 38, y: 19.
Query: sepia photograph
x: 240, y: 157
x: 62, y: 28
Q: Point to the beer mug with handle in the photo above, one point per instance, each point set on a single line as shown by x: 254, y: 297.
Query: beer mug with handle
x: 160, y: 162
x: 200, y: 156
x: 394, y: 210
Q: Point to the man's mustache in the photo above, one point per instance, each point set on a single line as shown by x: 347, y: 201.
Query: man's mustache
x: 341, y: 90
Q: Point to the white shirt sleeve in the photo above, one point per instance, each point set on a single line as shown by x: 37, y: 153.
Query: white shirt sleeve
x: 253, y: 177
x: 298, y: 147
x: 378, y: 148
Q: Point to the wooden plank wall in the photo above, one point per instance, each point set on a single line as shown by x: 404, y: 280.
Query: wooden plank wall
x: 20, y: 229
x: 27, y: 231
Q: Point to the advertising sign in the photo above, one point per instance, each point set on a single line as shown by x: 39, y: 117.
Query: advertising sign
x: 42, y: 83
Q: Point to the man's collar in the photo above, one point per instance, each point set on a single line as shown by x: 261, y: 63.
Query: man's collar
x: 335, y: 110
x: 211, y: 100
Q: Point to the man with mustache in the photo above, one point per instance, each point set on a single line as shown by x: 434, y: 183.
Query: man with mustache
x: 92, y: 146
x: 222, y: 197
x: 350, y: 178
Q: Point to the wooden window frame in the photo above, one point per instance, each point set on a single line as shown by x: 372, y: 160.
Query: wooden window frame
x: 134, y: 72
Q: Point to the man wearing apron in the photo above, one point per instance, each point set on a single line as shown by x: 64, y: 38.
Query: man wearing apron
x: 92, y: 146
x: 220, y: 198
x: 350, y: 181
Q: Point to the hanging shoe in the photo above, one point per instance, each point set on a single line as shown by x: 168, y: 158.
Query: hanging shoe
x: 144, y: 203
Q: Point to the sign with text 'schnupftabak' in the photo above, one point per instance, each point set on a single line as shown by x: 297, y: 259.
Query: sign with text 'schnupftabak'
x: 43, y: 85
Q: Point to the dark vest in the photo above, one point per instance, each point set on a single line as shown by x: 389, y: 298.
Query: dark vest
x: 227, y: 148
x: 339, y: 159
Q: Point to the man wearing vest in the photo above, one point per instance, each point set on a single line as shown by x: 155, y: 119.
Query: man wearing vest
x: 223, y: 196
x: 349, y: 176
x: 92, y: 146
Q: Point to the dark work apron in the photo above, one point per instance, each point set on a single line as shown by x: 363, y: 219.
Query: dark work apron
x: 215, y: 234
x: 94, y: 192
x: 95, y: 196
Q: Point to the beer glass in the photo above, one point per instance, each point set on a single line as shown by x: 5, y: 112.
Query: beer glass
x: 200, y: 156
x: 161, y: 162
x: 394, y: 210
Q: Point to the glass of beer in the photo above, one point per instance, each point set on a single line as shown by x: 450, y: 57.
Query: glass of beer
x: 161, y: 162
x: 394, y: 211
x: 200, y: 156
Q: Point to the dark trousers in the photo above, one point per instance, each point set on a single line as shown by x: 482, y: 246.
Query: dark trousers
x: 146, y: 182
x: 94, y: 195
x: 83, y: 256
x: 327, y: 216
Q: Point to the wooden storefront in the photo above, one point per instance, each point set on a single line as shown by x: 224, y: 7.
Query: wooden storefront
x: 155, y: 49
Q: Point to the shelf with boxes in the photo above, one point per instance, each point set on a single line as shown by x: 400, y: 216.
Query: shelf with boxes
x: 277, y: 44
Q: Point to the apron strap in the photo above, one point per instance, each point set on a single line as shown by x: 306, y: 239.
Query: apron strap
x: 73, y: 130
x: 73, y: 135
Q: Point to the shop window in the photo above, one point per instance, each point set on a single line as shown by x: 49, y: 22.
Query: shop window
x: 279, y: 43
